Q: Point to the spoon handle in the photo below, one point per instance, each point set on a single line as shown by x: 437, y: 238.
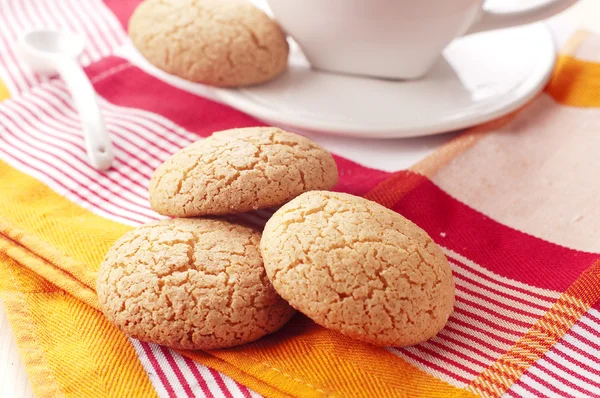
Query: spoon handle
x: 98, y: 144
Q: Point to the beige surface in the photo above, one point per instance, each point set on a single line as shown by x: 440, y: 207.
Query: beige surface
x: 518, y: 177
x: 585, y: 14
x: 191, y: 284
x: 359, y: 268
x: 240, y: 170
x: 220, y: 43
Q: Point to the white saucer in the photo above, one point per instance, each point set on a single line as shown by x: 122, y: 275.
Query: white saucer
x: 481, y: 77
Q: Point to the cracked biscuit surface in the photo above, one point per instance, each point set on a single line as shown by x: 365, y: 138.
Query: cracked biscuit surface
x: 191, y: 284
x: 359, y: 268
x: 240, y: 170
x: 221, y: 43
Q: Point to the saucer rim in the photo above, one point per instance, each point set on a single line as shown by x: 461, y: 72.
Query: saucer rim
x: 527, y: 90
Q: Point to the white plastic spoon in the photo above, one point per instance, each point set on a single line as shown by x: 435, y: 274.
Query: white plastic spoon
x: 50, y: 52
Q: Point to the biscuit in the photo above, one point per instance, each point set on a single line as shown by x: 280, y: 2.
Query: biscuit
x: 240, y: 170
x: 220, y: 43
x: 190, y: 284
x: 359, y: 268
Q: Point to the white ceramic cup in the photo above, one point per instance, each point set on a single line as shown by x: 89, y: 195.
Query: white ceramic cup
x: 396, y: 39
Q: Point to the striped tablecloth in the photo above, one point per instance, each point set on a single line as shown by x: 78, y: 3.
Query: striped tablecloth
x: 512, y: 203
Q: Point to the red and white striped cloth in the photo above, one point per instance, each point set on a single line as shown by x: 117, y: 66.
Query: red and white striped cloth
x: 40, y: 135
x: 40, y: 132
x: 491, y: 313
x: 99, y: 27
x: 571, y: 366
x: 174, y: 375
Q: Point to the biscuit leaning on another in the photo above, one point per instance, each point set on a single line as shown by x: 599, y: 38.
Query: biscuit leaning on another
x: 224, y: 43
x: 191, y: 284
x: 240, y: 170
x: 359, y: 268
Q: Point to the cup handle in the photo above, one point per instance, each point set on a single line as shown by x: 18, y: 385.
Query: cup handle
x: 491, y: 20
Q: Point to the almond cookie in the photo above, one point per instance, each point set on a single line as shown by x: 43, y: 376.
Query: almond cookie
x: 359, y: 268
x: 221, y: 43
x: 191, y: 284
x: 240, y: 170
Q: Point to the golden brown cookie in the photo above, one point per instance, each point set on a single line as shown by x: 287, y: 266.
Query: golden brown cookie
x: 358, y: 268
x: 190, y: 283
x: 221, y: 43
x: 240, y: 170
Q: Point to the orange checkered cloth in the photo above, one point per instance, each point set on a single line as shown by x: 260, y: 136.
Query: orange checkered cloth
x: 513, y: 204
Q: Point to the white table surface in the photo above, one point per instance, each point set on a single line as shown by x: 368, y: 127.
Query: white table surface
x: 14, y: 382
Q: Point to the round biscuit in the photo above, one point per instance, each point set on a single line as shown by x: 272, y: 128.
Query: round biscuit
x: 221, y: 43
x: 240, y: 170
x: 359, y: 268
x: 190, y: 284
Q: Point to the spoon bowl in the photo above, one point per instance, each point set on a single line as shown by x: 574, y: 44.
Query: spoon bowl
x: 54, y: 42
x: 41, y: 48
